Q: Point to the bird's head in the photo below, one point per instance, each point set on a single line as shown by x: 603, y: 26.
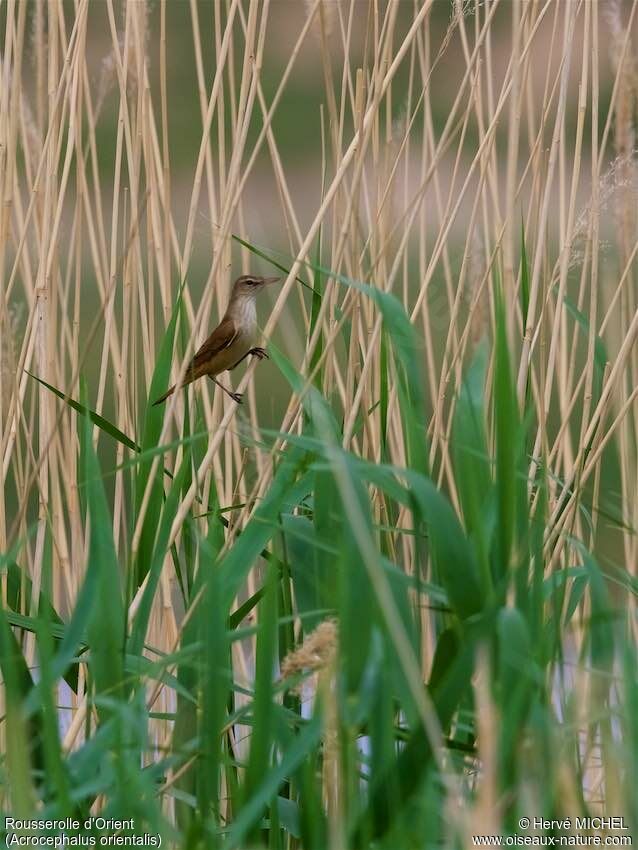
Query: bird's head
x: 249, y: 285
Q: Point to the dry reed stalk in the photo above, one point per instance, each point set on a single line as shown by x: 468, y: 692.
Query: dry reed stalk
x: 296, y: 265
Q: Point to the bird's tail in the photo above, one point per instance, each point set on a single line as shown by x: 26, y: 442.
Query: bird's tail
x: 165, y: 396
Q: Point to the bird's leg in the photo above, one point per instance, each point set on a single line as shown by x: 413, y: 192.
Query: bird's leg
x: 259, y: 352
x: 238, y: 397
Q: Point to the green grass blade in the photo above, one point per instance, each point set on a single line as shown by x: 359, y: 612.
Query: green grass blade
x: 294, y: 756
x: 263, y: 707
x: 453, y: 556
x: 507, y: 437
x: 471, y: 463
x: 95, y: 417
x: 102, y: 606
x: 153, y: 421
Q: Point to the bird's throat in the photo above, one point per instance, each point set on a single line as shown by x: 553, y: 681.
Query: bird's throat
x: 243, y: 312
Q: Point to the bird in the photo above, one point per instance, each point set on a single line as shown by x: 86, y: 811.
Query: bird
x: 232, y: 340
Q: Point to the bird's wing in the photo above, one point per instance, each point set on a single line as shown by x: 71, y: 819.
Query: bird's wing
x: 224, y: 335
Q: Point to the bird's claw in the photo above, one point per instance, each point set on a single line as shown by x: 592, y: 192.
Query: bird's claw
x: 260, y: 353
x: 238, y: 397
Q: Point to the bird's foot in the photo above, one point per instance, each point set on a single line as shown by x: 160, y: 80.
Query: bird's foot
x: 238, y: 397
x: 259, y: 352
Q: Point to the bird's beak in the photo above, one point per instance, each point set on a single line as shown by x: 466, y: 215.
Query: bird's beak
x: 272, y: 279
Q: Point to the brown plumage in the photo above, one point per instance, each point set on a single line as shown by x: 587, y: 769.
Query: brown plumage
x: 232, y: 340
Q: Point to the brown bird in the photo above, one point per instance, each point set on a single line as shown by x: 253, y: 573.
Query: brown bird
x: 232, y: 340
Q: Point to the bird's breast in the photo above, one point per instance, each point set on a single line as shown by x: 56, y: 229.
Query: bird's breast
x: 245, y: 318
x: 245, y: 315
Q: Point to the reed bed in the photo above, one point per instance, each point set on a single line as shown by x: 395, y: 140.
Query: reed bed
x: 389, y: 601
